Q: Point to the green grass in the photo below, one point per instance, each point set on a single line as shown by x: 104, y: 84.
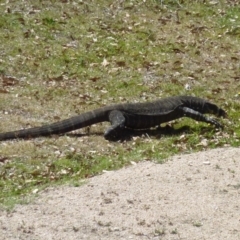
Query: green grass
x: 67, y: 58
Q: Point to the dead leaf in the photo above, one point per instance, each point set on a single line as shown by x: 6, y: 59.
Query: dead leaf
x: 121, y: 63
x: 59, y: 78
x: 94, y: 79
x: 203, y: 143
x: 3, y: 90
x: 105, y: 62
x: 177, y: 50
x: 216, y: 90
x: 8, y: 81
x: 3, y: 159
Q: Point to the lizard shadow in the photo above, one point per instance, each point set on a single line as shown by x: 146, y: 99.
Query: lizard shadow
x: 129, y: 134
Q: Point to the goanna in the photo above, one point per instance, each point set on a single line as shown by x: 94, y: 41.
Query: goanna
x: 129, y: 115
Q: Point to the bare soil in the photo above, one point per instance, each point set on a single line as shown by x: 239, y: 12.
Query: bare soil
x: 195, y: 196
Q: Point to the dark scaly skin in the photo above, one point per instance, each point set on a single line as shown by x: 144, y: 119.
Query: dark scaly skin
x: 129, y: 115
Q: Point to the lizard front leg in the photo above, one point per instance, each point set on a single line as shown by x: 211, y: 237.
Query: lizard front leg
x: 117, y: 121
x: 188, y: 112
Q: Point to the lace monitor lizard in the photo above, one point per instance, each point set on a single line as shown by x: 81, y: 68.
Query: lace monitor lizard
x: 129, y: 115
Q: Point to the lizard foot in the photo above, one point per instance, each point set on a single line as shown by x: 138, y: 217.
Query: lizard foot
x: 215, y: 122
x: 112, y: 134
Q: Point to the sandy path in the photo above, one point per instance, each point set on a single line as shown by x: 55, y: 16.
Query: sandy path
x: 195, y: 196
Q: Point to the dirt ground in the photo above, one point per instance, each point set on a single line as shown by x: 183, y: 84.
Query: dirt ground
x: 195, y: 196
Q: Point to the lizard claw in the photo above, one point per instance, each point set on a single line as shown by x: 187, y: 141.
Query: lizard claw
x: 216, y: 123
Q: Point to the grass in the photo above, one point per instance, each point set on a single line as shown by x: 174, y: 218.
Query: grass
x: 61, y: 58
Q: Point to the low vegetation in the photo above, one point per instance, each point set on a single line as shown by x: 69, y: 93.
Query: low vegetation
x: 61, y: 58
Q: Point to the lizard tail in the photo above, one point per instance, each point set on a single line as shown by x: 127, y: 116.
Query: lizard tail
x: 67, y: 125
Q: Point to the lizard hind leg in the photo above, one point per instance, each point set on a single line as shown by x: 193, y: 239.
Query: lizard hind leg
x: 117, y: 121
